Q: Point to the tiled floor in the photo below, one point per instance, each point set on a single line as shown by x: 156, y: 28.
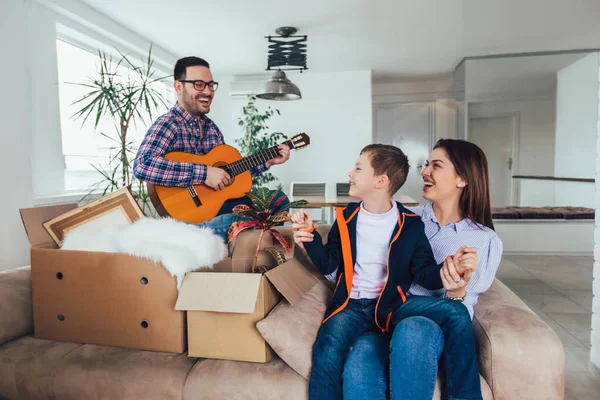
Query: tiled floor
x: 559, y: 290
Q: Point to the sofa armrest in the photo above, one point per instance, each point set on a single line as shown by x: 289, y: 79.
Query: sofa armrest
x: 519, y: 355
x: 16, y: 313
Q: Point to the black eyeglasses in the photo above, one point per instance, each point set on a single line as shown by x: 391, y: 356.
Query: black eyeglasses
x: 199, y: 85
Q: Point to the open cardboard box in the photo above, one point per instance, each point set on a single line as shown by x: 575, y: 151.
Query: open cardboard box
x: 100, y: 298
x: 119, y: 300
x: 224, y: 306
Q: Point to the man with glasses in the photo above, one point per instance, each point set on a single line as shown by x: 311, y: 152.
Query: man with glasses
x: 186, y: 128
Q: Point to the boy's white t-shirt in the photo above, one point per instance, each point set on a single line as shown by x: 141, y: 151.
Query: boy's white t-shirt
x: 373, y: 234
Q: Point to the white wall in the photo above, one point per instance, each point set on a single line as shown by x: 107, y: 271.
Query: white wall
x: 536, y: 143
x: 439, y: 92
x: 595, y: 335
x: 47, y: 158
x: 576, y: 125
x: 335, y: 111
x: 562, y: 237
x: 16, y: 132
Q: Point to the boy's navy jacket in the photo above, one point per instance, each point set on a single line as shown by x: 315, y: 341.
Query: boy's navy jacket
x: 410, y: 259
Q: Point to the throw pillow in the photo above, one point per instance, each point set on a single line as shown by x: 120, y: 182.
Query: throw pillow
x: 292, y: 330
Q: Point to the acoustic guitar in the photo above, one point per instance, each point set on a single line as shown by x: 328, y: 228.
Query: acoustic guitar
x: 199, y: 203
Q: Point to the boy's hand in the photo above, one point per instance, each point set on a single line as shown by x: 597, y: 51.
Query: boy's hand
x: 302, y: 222
x: 465, y: 260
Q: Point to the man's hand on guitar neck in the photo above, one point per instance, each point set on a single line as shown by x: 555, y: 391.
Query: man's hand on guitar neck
x: 216, y: 178
x: 284, y: 152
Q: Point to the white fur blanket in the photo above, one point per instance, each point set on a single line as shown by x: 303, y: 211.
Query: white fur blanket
x: 180, y: 247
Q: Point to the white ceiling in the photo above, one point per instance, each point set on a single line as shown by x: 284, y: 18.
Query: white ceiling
x: 396, y: 39
x: 516, y: 77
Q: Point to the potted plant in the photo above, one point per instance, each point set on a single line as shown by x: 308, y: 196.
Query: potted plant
x: 127, y: 93
x: 257, y: 136
x: 261, y: 215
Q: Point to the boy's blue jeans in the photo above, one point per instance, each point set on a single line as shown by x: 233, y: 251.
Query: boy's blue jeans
x: 408, y: 361
x: 339, y: 333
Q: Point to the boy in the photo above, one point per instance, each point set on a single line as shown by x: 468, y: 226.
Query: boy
x: 379, y: 248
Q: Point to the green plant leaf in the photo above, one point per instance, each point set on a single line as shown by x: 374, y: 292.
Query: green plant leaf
x: 294, y: 204
x: 253, y: 215
x: 279, y: 217
x: 259, y: 202
x: 277, y: 254
x: 240, y: 226
x: 285, y: 241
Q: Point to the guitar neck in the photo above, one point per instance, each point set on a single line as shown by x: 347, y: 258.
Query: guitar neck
x: 253, y: 161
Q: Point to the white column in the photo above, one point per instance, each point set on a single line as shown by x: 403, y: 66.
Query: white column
x: 576, y: 131
x: 595, y: 351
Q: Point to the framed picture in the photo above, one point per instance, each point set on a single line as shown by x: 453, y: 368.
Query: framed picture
x: 115, y: 209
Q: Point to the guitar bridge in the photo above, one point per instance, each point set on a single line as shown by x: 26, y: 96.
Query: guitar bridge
x: 194, y: 196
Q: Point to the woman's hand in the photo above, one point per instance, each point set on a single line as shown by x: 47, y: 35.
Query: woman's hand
x: 454, y: 284
x: 301, y: 223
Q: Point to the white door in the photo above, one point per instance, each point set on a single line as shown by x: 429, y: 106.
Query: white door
x: 408, y: 126
x: 495, y: 137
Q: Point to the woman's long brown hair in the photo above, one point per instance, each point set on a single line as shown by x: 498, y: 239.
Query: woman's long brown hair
x: 471, y: 164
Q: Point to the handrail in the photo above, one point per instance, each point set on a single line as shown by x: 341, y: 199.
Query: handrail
x: 554, y: 178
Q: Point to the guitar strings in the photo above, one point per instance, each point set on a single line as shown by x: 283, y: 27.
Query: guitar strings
x: 254, y: 160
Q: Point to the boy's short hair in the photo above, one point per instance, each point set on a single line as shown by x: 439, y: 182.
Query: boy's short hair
x: 388, y: 160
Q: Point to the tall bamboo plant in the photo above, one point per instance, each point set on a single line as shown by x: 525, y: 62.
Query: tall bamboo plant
x: 127, y: 93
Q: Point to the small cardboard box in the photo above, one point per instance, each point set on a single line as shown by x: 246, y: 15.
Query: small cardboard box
x: 224, y: 307
x: 100, y: 298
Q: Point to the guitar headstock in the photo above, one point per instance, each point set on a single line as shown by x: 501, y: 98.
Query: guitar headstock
x: 300, y: 141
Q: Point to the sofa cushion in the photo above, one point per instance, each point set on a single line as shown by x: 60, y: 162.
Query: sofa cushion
x: 519, y: 355
x: 538, y: 213
x: 34, y: 368
x: 222, y: 379
x: 16, y: 313
x: 292, y: 330
x: 505, y: 213
x: 577, y: 212
x: 486, y: 392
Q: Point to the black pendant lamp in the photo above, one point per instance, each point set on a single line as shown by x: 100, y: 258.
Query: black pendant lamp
x: 286, y: 52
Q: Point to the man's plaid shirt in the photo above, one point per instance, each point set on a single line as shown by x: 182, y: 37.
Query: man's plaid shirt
x: 178, y: 130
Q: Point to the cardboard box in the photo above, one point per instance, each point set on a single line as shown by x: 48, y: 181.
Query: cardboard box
x: 224, y: 306
x: 100, y: 298
x: 119, y: 300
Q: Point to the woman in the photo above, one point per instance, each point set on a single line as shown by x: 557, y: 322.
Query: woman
x: 458, y: 213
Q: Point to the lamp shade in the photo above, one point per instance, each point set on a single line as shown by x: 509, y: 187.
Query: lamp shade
x: 280, y: 88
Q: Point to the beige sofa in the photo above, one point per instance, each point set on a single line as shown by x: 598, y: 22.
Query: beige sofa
x: 520, y: 357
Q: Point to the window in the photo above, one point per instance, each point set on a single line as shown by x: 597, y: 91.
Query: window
x: 85, y: 148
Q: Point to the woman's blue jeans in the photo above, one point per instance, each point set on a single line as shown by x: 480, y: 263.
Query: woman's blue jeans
x: 409, y: 362
x: 338, y: 335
